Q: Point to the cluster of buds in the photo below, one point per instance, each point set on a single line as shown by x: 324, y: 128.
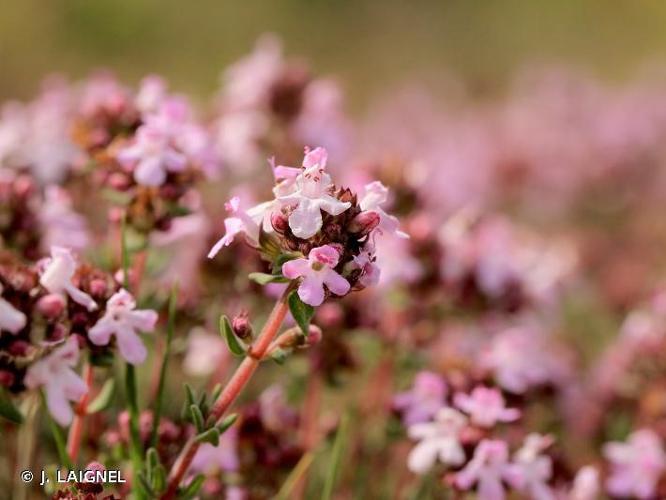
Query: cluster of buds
x: 52, y: 309
x: 313, y: 231
x: 486, y: 261
x: 268, y: 103
x: 32, y: 220
x: 147, y: 149
x: 465, y: 435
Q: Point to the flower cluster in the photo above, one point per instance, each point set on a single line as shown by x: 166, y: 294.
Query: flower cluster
x: 327, y: 233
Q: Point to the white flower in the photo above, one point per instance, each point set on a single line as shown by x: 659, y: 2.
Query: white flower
x: 54, y: 372
x: 123, y: 320
x: 243, y: 221
x: 11, y: 319
x: 439, y: 438
x: 57, y: 274
x: 312, y: 195
x: 531, y: 470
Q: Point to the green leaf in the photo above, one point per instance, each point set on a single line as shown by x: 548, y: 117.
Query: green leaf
x: 211, y: 436
x: 197, y: 418
x: 8, y: 410
x: 301, y: 312
x: 226, y: 423
x: 294, y: 476
x: 159, y: 478
x: 145, y: 486
x: 152, y: 459
x: 234, y: 345
x: 192, y: 489
x: 280, y: 355
x: 336, y: 458
x: 265, y: 278
x: 104, y: 398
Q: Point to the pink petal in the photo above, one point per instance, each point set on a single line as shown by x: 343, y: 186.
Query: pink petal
x: 296, y: 268
x: 100, y: 333
x: 422, y: 457
x: 336, y: 283
x: 143, y: 320
x: 311, y: 291
x: 149, y: 172
x: 131, y: 346
x: 57, y: 403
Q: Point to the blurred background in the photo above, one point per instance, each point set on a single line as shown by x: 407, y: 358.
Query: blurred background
x: 369, y: 44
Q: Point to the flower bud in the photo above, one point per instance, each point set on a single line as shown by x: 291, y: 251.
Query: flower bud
x: 279, y: 222
x: 51, y: 306
x: 19, y: 348
x: 241, y: 326
x: 98, y: 288
x: 119, y: 181
x: 364, y: 223
x: 6, y: 378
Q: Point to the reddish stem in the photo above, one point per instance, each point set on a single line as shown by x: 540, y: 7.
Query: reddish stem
x: 76, y: 429
x: 240, y: 378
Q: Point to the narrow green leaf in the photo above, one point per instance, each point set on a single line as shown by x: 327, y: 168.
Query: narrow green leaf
x: 197, y: 418
x: 301, y: 312
x: 234, y: 345
x: 104, y: 398
x: 159, y: 478
x: 265, y: 278
x: 211, y: 436
x: 217, y: 390
x: 226, y: 423
x: 294, y: 476
x: 336, y: 458
x: 152, y: 459
x: 8, y: 410
x: 192, y: 489
x: 173, y: 301
x: 145, y: 486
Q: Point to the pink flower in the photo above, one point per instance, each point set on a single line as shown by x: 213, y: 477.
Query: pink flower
x: 55, y: 373
x: 423, y: 400
x: 376, y: 194
x: 152, y: 92
x: 585, y: 484
x: 11, y: 319
x: 439, y: 438
x: 312, y: 195
x: 223, y: 457
x: 152, y: 156
x: 488, y: 467
x: 636, y: 466
x: 123, y: 320
x: 61, y: 225
x: 485, y: 406
x: 205, y: 353
x: 243, y: 221
x: 370, y: 272
x: 532, y: 470
x: 317, y: 270
x: 57, y: 274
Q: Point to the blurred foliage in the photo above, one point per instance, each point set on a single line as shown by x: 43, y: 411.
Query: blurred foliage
x: 369, y: 44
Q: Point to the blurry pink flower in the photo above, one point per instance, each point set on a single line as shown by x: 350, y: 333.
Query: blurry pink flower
x: 11, y: 319
x: 312, y: 195
x: 57, y: 273
x: 317, y: 270
x: 55, y: 373
x: 531, y: 470
x: 243, y: 221
x: 438, y: 439
x: 61, y: 225
x: 370, y: 272
x: 223, y: 457
x: 423, y: 400
x: 123, y: 320
x: 586, y: 484
x: 636, y: 466
x: 376, y: 194
x: 206, y: 352
x: 521, y: 358
x: 152, y: 156
x: 487, y: 468
x: 276, y: 415
x: 485, y: 406
x: 152, y: 92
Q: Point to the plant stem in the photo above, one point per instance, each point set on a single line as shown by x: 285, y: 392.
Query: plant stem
x: 240, y: 378
x: 76, y: 429
x: 162, y: 381
x: 136, y: 449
